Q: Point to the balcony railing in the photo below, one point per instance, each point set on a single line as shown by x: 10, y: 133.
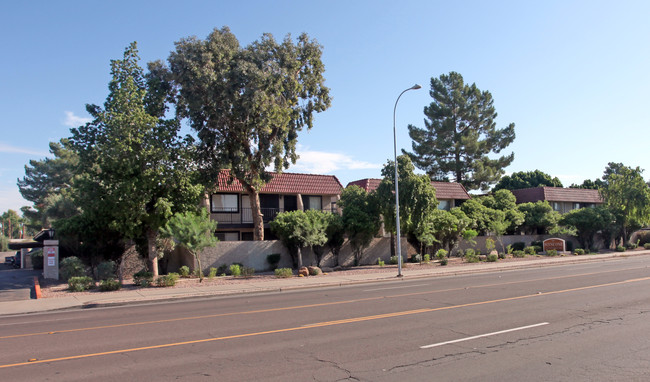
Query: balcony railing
x: 245, y: 215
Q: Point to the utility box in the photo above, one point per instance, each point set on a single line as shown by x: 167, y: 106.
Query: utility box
x: 51, y: 259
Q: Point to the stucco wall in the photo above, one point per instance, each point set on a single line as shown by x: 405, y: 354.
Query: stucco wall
x: 253, y: 254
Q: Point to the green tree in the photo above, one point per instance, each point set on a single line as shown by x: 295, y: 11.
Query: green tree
x: 335, y: 232
x: 539, y: 217
x: 445, y: 227
x: 298, y: 229
x: 627, y: 196
x: 193, y: 231
x: 12, y: 224
x: 247, y: 104
x: 46, y: 183
x: 587, y: 223
x: 589, y: 184
x: 459, y: 134
x: 360, y: 219
x: 134, y: 169
x: 417, y: 200
x: 526, y: 179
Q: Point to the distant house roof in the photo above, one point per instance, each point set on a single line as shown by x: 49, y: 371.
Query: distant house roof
x: 286, y: 183
x: 557, y: 194
x: 444, y: 190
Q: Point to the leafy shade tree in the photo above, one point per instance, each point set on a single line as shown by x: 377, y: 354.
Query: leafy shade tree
x: 45, y: 184
x: 192, y: 231
x: 247, y: 104
x: 499, y: 207
x: 298, y: 229
x: 504, y: 200
x: 627, y: 196
x: 135, y: 171
x: 360, y: 219
x: 539, y: 217
x: 417, y: 200
x: 587, y: 223
x: 459, y: 134
x: 12, y: 224
x: 445, y: 228
x: 589, y: 184
x: 526, y: 179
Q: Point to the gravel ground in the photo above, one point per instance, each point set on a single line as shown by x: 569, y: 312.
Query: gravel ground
x: 54, y: 289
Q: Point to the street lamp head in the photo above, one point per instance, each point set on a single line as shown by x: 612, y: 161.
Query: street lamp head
x: 416, y: 87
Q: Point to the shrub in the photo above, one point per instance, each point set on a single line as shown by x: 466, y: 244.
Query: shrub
x: 537, y: 243
x: 579, y: 251
x: 106, y: 270
x: 235, y: 270
x: 518, y: 246
x: 80, y: 283
x: 143, y: 278
x: 646, y: 246
x: 631, y: 246
x: 529, y: 250
x: 184, y: 271
x: 427, y: 258
x: 620, y: 248
x: 380, y: 262
x: 248, y: 271
x: 444, y: 261
x: 71, y: 267
x: 273, y: 260
x: 109, y: 284
x: 441, y: 254
x: 213, y: 273
x: 393, y: 260
x: 551, y: 252
x: 167, y: 280
x: 538, y: 248
x: 492, y: 258
x: 416, y: 258
x: 283, y: 273
x: 37, y: 259
x: 520, y: 254
x: 501, y: 255
x: 471, y: 256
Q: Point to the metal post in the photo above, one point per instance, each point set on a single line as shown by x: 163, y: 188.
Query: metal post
x: 397, y: 228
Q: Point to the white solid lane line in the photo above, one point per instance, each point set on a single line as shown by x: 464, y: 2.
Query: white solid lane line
x: 483, y: 335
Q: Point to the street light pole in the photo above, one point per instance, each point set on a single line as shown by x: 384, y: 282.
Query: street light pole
x: 398, y: 233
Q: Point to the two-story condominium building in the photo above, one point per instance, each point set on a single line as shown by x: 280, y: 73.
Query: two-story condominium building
x: 449, y: 194
x: 230, y: 204
x: 561, y: 199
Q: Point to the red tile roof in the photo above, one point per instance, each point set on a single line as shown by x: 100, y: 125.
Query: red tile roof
x: 557, y: 194
x: 444, y: 190
x: 287, y: 183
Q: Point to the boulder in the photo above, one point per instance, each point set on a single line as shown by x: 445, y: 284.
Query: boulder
x: 314, y: 271
x: 303, y: 271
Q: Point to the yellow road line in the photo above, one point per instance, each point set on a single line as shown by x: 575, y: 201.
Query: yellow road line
x: 320, y: 324
x: 303, y: 306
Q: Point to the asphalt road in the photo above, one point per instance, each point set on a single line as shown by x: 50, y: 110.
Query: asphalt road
x: 16, y: 284
x: 583, y: 322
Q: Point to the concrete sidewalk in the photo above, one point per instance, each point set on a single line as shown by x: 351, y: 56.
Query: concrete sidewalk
x: 145, y: 295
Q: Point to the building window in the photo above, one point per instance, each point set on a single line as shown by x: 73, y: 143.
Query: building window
x: 557, y: 207
x: 443, y: 205
x: 247, y: 236
x: 312, y: 202
x: 227, y: 236
x: 576, y: 206
x: 224, y: 203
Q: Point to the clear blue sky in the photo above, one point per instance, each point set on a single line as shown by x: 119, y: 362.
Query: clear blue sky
x: 572, y: 75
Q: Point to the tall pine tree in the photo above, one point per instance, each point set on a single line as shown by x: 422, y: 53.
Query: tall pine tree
x: 459, y: 134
